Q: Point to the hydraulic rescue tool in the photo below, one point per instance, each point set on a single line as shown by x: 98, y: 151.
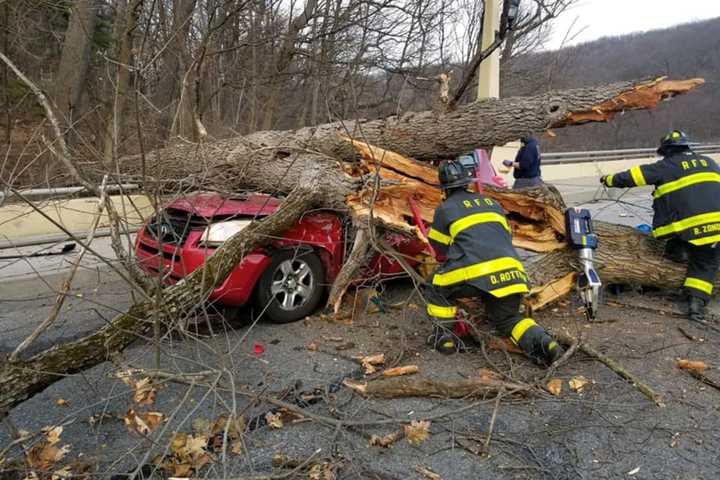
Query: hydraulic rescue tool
x: 582, y: 237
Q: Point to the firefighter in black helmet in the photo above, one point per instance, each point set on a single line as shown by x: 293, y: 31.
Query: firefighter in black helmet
x: 472, y: 233
x: 686, y: 205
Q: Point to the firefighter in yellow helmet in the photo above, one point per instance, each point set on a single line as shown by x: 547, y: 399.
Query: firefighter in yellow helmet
x: 471, y: 232
x: 686, y: 205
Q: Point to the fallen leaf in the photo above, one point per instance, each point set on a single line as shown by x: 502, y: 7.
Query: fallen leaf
x: 144, y: 392
x: 418, y: 431
x: 554, y: 386
x: 237, y: 448
x: 321, y: 471
x: 126, y: 376
x: 274, y: 420
x: 143, y: 424
x: 61, y: 402
x: 44, y: 454
x: 694, y: 365
x: 235, y: 426
x: 188, y: 453
x: 178, y: 442
x: 53, y: 434
x: 578, y: 383
x: 385, y: 441
x: 195, y: 445
x: 312, y: 347
x: 427, y: 473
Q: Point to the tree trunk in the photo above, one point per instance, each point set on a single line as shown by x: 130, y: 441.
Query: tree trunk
x: 324, y: 167
x: 69, y: 82
x: 279, y: 77
x: 113, y: 124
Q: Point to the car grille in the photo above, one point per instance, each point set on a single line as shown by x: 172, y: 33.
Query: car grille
x: 172, y: 226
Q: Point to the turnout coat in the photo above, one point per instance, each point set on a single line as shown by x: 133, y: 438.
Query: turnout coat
x: 686, y: 200
x: 473, y: 233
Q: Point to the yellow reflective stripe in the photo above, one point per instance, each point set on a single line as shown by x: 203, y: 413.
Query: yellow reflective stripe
x: 686, y: 182
x: 477, y: 270
x: 689, y: 222
x: 474, y: 219
x: 505, y: 291
x: 698, y: 284
x: 609, y: 180
x: 520, y: 328
x: 638, y: 176
x: 439, y: 237
x: 441, y: 312
x: 706, y: 240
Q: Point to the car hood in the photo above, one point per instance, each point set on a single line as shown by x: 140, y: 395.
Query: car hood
x: 210, y: 205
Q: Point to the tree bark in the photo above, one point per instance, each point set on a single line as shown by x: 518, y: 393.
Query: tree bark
x: 128, y: 24
x: 74, y: 60
x: 424, y: 136
x: 400, y: 387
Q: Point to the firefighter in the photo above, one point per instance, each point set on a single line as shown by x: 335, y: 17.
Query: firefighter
x: 471, y: 233
x: 686, y: 205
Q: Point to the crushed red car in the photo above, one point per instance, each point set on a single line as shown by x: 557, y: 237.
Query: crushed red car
x: 287, y: 280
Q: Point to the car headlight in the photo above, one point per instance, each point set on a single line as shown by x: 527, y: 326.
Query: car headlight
x: 217, y: 233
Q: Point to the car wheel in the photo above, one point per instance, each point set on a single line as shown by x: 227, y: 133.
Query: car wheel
x: 292, y: 286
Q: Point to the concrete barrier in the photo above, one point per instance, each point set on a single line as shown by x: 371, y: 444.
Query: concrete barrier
x: 75, y: 215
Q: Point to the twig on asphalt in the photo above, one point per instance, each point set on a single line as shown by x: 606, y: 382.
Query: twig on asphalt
x: 486, y: 446
x: 574, y: 346
x: 615, y: 366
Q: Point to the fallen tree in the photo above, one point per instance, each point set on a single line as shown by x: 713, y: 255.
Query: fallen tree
x: 369, y: 169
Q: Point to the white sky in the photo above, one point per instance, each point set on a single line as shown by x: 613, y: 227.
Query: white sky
x: 601, y: 18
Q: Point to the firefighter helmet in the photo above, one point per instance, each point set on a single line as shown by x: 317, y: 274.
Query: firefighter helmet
x: 452, y: 174
x: 675, y: 139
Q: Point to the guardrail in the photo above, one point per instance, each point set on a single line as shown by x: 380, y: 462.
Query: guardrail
x: 37, y: 193
x: 609, y: 155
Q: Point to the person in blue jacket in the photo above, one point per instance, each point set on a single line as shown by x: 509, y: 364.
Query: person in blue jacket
x: 527, y: 164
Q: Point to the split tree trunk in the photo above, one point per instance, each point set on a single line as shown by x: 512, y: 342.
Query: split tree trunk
x: 363, y: 167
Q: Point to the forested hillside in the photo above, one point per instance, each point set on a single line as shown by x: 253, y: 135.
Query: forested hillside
x: 131, y: 76
x: 691, y: 50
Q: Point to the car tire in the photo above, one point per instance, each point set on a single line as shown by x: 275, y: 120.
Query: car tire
x: 291, y: 287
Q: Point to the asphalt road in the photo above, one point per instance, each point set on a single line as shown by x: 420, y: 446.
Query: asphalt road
x: 606, y: 431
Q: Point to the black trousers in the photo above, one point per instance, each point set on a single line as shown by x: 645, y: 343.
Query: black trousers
x: 503, y: 314
x: 702, y: 269
x: 702, y: 265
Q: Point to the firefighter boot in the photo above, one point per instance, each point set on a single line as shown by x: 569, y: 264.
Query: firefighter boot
x: 696, y: 309
x: 444, y: 341
x: 552, y: 351
x: 537, y: 344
